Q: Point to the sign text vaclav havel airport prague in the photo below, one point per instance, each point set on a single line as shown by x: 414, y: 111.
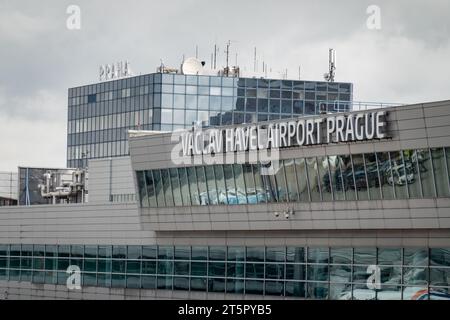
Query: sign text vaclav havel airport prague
x: 302, y: 132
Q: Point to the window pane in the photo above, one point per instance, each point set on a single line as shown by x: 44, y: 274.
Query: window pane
x: 236, y: 254
x: 198, y: 269
x: 235, y: 270
x: 182, y: 253
x: 165, y: 252
x: 364, y: 256
x: 400, y: 175
x: 159, y: 191
x: 181, y: 283
x: 291, y: 180
x: 240, y: 184
x: 311, y: 165
x: 212, y: 189
x: 175, y: 187
x: 294, y: 289
x: 384, y: 165
x: 295, y: 254
x: 275, y: 254
x: 415, y: 257
x: 250, y: 183
x: 230, y: 184
x: 324, y: 179
x: 360, y: 176
x: 216, y: 269
x: 423, y: 157
x: 411, y: 164
x: 142, y: 188
x: 275, y: 271
x: 259, y: 184
x: 149, y: 252
x: 281, y: 183
x: 254, y: 270
x: 200, y: 253
x: 341, y: 255
x: 373, y: 180
x: 220, y: 182
x: 440, y: 172
x: 167, y: 187
x: 300, y: 166
x: 150, y: 188
x: 217, y: 253
x: 182, y: 268
x: 192, y: 176
x: 202, y: 189
x: 184, y: 187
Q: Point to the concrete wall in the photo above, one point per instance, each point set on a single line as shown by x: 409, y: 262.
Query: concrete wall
x: 107, y: 177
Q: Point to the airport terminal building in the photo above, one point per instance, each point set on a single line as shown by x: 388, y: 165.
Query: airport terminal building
x: 320, y: 203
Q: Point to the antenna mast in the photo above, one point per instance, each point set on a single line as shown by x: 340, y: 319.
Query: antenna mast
x: 228, y: 55
x: 332, y: 66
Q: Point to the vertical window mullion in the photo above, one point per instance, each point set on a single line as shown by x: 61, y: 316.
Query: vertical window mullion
x: 406, y: 174
x: 392, y: 175
x: 446, y: 168
x: 380, y: 183
x: 307, y: 179
x: 294, y: 163
x: 285, y: 180
x: 365, y: 174
x: 354, y: 179
x: 330, y: 180
x: 432, y: 172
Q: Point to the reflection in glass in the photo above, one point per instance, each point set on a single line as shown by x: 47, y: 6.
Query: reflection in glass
x: 193, y: 186
x: 324, y: 178
x: 150, y: 188
x: 401, y: 176
x: 411, y: 165
x: 220, y: 181
x: 384, y: 165
x: 165, y: 175
x: 440, y: 172
x: 311, y: 167
x: 175, y: 187
x: 302, y: 179
x: 184, y: 186
x: 230, y: 184
x: 202, y: 188
x: 426, y: 176
x: 240, y: 184
x: 281, y: 183
x: 250, y: 183
x: 212, y: 188
x: 159, y: 191
x: 360, y: 177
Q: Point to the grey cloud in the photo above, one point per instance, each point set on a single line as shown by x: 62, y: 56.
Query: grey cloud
x: 40, y: 59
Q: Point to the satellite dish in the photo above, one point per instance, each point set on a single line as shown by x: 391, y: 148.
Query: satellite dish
x: 192, y: 66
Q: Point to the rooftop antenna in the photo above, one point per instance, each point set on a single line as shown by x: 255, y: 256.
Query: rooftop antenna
x: 254, y: 62
x: 299, y: 72
x: 215, y: 55
x: 228, y: 54
x: 196, y: 51
x: 332, y: 66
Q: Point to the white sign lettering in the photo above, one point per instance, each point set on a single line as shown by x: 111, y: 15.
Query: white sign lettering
x: 302, y: 132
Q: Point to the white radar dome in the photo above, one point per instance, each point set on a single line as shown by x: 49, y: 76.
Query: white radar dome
x: 192, y: 66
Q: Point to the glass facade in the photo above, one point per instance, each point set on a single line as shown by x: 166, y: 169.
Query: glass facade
x: 303, y: 272
x: 99, y: 115
x: 370, y: 176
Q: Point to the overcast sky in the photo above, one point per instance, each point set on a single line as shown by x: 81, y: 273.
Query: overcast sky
x: 407, y: 60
